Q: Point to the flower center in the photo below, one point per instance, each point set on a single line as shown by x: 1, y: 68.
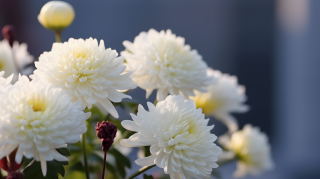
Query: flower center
x: 207, y: 106
x: 38, y: 103
x: 243, y: 158
x: 82, y: 55
x: 1, y: 66
x: 238, y: 145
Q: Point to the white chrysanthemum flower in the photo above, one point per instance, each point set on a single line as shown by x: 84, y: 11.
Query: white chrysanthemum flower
x: 252, y: 150
x: 88, y: 71
x: 222, y: 98
x: 163, y: 62
x: 179, y: 137
x: 36, y: 119
x: 6, y: 59
x: 22, y: 57
x: 4, y: 82
x: 18, y: 54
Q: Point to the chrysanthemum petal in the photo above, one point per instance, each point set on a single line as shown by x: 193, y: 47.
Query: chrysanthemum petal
x: 109, y: 107
x: 36, y: 119
x: 147, y: 161
x: 179, y: 138
x: 163, y: 62
x: 89, y: 72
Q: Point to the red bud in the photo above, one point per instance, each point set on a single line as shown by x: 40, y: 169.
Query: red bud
x: 106, y: 131
x: 4, y: 164
x: 8, y: 33
x: 15, y: 175
x: 10, y: 165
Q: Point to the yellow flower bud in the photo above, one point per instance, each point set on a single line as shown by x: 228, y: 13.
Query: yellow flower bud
x: 56, y: 15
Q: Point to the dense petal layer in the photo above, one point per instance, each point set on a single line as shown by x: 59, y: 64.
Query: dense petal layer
x: 223, y: 97
x: 162, y: 61
x: 89, y: 72
x: 179, y: 138
x: 36, y: 119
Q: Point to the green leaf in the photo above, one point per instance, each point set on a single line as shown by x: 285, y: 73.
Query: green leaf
x: 76, y: 175
x: 96, y: 114
x: 131, y: 105
x: 120, y: 157
x: 146, y: 151
x: 64, y: 151
x: 26, y: 162
x: 121, y: 170
x: 110, y: 168
x: 145, y: 176
x: 121, y: 162
x: 53, y: 169
x: 77, y: 166
x: 111, y: 171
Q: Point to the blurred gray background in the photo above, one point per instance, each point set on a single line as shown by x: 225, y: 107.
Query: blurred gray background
x: 272, y: 46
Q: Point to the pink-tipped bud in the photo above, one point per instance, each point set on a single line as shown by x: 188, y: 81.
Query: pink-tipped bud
x: 106, y: 131
x: 15, y: 175
x: 8, y: 33
x: 9, y: 164
x: 4, y: 164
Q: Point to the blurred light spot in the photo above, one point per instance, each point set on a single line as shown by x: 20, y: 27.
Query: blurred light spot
x: 293, y: 15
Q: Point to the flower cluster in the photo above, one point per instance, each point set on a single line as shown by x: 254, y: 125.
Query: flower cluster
x: 161, y: 61
x: 42, y: 114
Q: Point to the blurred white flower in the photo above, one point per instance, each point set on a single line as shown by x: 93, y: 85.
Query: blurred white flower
x: 22, y: 57
x: 89, y: 72
x: 17, y: 54
x: 6, y: 59
x: 4, y: 82
x: 179, y: 137
x: 251, y: 149
x: 163, y: 62
x: 56, y: 15
x: 140, y: 153
x: 223, y: 97
x: 36, y: 119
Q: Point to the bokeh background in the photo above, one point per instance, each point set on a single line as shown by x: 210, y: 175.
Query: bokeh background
x: 271, y: 46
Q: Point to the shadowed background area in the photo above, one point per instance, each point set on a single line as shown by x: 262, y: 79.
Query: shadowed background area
x: 271, y: 46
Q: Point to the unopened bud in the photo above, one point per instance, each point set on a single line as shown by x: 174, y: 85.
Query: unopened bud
x: 8, y: 33
x: 15, y: 175
x: 56, y: 15
x: 8, y: 163
x: 106, y: 131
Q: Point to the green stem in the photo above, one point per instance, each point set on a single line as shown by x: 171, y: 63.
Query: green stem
x: 221, y: 163
x: 85, y: 158
x: 141, y: 170
x: 1, y: 174
x: 155, y: 102
x: 58, y: 36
